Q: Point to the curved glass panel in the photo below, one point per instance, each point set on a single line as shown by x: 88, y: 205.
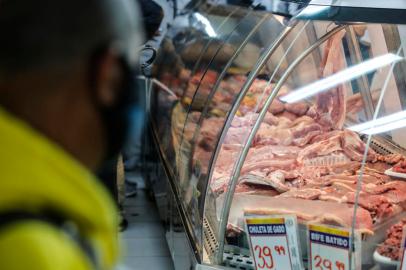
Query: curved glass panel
x: 311, y: 155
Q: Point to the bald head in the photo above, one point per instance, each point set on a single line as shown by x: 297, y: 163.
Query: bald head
x: 45, y: 33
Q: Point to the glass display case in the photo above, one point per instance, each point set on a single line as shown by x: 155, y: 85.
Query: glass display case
x: 256, y: 111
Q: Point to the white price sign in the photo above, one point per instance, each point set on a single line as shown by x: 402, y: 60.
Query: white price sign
x: 329, y: 248
x: 273, y: 242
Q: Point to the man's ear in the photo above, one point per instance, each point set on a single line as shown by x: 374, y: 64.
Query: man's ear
x: 108, y: 78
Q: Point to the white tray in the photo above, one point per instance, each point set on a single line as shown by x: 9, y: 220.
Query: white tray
x: 385, y: 263
x: 390, y: 172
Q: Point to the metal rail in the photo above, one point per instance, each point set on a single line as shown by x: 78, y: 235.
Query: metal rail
x: 240, y: 162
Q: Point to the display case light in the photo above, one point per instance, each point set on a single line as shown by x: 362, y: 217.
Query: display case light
x: 207, y: 26
x: 340, y: 77
x: 385, y: 128
x: 383, y: 124
x: 379, y: 122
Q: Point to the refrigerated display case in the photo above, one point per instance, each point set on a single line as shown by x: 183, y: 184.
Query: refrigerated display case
x: 264, y: 110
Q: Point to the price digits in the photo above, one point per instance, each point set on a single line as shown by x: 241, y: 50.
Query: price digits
x: 265, y: 258
x: 326, y: 264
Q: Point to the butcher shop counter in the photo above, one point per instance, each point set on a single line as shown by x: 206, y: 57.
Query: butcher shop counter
x: 297, y: 111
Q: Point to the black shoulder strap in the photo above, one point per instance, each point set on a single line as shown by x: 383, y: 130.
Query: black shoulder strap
x: 9, y: 219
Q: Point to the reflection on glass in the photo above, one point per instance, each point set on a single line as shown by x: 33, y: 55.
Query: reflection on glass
x: 341, y: 77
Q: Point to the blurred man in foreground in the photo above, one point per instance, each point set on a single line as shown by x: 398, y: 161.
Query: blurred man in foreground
x: 66, y: 93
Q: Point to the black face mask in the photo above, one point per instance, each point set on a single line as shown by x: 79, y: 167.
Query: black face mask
x: 124, y: 116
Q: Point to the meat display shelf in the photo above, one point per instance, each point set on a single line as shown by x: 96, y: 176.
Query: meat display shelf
x: 283, y: 111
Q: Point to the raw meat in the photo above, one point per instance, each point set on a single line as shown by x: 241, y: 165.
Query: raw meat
x: 288, y: 115
x: 325, y: 136
x: 236, y: 135
x: 250, y: 188
x: 394, y: 191
x: 345, y: 141
x: 331, y: 105
x: 304, y: 193
x: 275, y: 180
x: 378, y: 205
x: 400, y: 167
x: 273, y: 135
x: 244, y: 121
x: 334, y: 194
x: 354, y: 147
x: 391, y: 246
x: 321, y: 148
x: 303, y: 134
x: 377, y: 167
x: 391, y: 159
x: 298, y: 108
x: 306, y: 210
x: 276, y: 107
x: 273, y: 164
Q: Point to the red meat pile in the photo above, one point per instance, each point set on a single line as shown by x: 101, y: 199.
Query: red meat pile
x: 391, y: 246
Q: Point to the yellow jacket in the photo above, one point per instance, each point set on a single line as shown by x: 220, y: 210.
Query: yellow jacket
x: 36, y: 174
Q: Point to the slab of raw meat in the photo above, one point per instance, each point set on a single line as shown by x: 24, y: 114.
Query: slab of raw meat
x: 236, y: 135
x: 378, y: 205
x: 303, y: 134
x: 272, y: 164
x: 254, y: 189
x: 354, y: 147
x: 353, y: 179
x: 331, y: 105
x: 391, y: 159
x: 344, y: 141
x: 400, y: 167
x: 321, y: 148
x: 273, y: 135
x: 302, y: 120
x: 394, y: 191
x: 276, y: 107
x: 279, y: 151
x: 288, y: 115
x: 325, y: 136
x: 303, y: 193
x: 298, y: 108
x: 306, y: 210
x: 276, y: 181
x: 334, y: 194
x: 244, y: 121
x: 377, y: 167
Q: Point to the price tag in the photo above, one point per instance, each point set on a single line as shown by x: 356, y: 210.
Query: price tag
x: 403, y: 246
x: 274, y: 242
x: 329, y: 248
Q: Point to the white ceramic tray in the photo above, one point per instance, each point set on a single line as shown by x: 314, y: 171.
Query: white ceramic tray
x: 385, y: 263
x: 390, y: 172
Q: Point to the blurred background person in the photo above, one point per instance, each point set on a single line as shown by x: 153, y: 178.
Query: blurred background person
x: 66, y: 97
x: 136, y: 148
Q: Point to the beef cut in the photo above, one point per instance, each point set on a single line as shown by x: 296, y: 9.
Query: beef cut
x: 354, y: 147
x: 298, y: 108
x: 331, y: 105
